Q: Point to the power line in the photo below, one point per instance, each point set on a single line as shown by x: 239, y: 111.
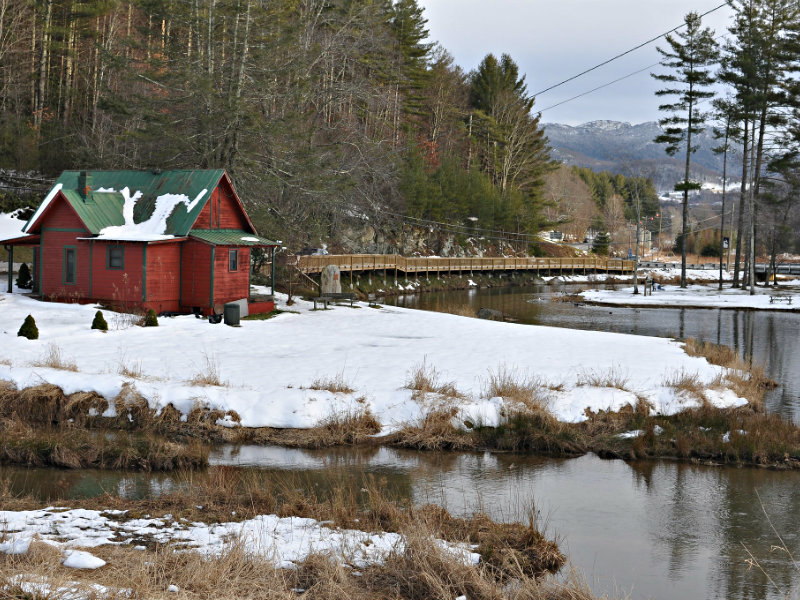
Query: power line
x: 600, y: 87
x: 612, y: 59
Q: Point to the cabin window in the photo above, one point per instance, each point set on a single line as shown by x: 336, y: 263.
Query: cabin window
x: 115, y: 257
x: 69, y: 264
x: 233, y: 260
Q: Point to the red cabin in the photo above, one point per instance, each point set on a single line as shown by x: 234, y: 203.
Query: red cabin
x: 173, y: 241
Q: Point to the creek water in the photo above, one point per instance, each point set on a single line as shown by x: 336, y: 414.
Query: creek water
x: 652, y: 529
x: 655, y: 529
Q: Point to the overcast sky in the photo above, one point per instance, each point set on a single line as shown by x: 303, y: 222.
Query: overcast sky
x: 552, y: 40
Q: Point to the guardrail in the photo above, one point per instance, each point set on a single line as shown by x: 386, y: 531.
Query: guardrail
x: 437, y: 264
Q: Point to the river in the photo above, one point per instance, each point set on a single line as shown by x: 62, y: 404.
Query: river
x: 654, y: 529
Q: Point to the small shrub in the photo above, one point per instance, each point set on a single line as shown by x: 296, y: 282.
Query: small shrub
x: 24, y: 280
x: 150, y: 319
x: 29, y: 329
x: 99, y: 321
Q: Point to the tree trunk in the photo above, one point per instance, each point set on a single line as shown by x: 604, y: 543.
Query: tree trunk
x: 44, y: 61
x: 742, y: 196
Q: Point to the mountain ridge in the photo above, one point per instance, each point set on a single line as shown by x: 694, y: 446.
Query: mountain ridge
x: 622, y: 147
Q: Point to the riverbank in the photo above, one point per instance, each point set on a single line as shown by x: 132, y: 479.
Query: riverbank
x: 252, y: 538
x: 385, y: 376
x: 785, y: 297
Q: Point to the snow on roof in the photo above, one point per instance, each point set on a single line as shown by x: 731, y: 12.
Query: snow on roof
x: 10, y: 226
x: 43, y: 206
x: 154, y: 228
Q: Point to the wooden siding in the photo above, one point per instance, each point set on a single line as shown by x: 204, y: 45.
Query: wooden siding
x: 222, y: 211
x: 195, y: 274
x: 119, y: 287
x: 61, y: 229
x: 204, y: 219
x: 163, y: 277
x: 231, y: 285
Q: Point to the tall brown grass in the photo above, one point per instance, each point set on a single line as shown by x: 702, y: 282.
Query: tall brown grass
x: 53, y: 357
x: 515, y: 558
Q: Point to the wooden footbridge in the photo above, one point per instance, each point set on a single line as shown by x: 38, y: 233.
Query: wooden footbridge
x: 440, y: 265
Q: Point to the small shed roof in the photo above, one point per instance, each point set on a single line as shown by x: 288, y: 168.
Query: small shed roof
x: 136, y: 205
x: 230, y: 237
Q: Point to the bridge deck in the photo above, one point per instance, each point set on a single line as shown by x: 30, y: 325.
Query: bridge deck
x: 436, y: 264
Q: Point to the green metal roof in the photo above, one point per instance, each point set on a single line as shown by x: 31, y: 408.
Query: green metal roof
x: 230, y: 237
x: 99, y: 209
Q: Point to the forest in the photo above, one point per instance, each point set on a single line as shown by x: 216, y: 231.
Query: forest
x: 335, y: 115
x: 325, y: 112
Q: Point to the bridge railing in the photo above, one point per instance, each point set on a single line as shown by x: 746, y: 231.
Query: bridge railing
x: 433, y: 264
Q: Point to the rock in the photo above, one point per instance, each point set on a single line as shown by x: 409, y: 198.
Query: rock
x: 490, y: 313
x: 330, y: 280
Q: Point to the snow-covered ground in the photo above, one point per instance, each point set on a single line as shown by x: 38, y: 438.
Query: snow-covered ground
x: 284, y: 541
x: 269, y: 367
x: 704, y: 296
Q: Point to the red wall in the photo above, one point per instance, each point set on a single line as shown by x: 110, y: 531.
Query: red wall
x: 196, y: 274
x: 61, y: 216
x: 118, y: 287
x: 222, y: 211
x: 231, y: 285
x: 163, y: 277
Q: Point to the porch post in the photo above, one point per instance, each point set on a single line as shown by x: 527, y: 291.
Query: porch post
x: 272, y: 269
x: 10, y: 250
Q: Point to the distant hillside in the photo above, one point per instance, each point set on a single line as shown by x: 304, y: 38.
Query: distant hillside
x: 630, y: 150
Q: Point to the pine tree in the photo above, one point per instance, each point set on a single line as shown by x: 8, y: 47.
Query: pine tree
x: 24, y: 281
x: 99, y: 321
x: 29, y: 329
x: 601, y: 243
x: 690, y: 56
x: 150, y: 319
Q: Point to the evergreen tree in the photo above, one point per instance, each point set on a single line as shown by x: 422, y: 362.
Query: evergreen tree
x: 24, y: 281
x: 512, y: 146
x: 758, y: 63
x: 601, y: 243
x: 691, y: 54
x: 99, y: 321
x: 29, y: 329
x: 150, y: 319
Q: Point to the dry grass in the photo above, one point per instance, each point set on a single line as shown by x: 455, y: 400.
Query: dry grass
x: 747, y: 380
x: 75, y: 448
x: 525, y: 392
x: 54, y: 358
x: 515, y: 558
x: 615, y: 377
x: 335, y: 385
x: 208, y: 374
x: 424, y: 380
x: 132, y: 369
x: 687, y: 384
x: 434, y: 431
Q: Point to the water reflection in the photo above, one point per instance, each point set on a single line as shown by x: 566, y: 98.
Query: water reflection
x: 654, y: 529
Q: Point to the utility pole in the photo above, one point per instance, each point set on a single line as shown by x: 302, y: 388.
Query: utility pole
x: 636, y: 257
